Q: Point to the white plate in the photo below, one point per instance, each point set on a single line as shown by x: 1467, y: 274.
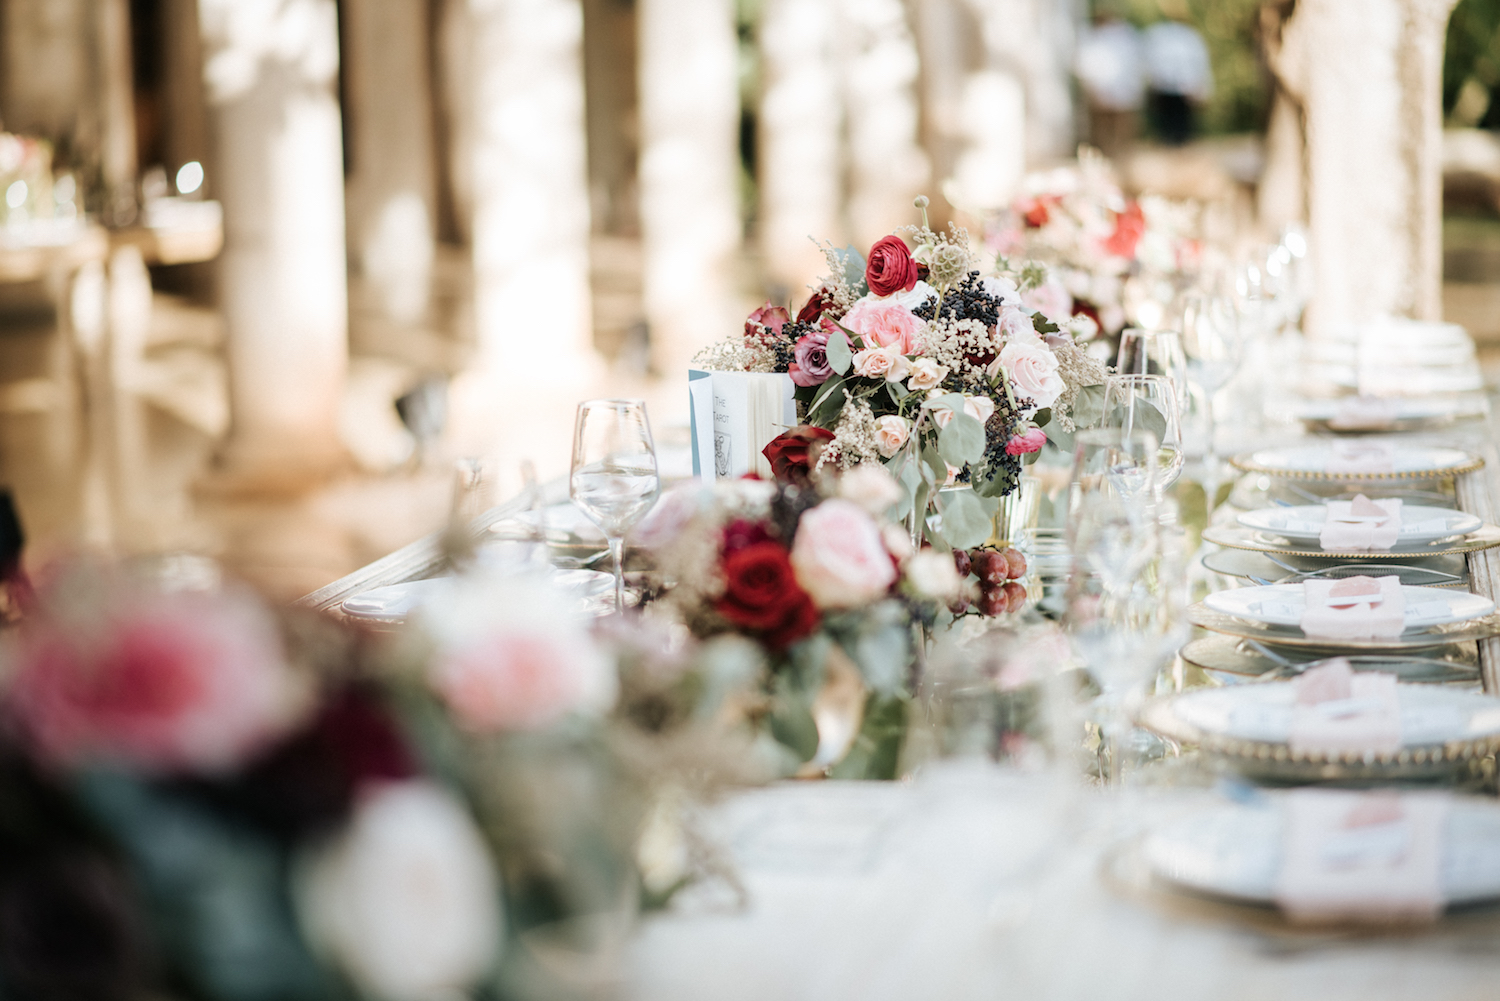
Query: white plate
x: 1234, y: 851
x: 1430, y: 714
x: 1282, y: 605
x: 1419, y: 524
x: 391, y: 605
x: 1316, y: 459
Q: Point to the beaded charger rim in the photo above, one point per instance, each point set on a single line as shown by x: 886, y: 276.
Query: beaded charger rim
x: 1246, y: 463
x: 1239, y: 537
x: 1220, y: 652
x: 1466, y: 631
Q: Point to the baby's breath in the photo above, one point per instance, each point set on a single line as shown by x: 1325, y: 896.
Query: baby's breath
x: 853, y: 437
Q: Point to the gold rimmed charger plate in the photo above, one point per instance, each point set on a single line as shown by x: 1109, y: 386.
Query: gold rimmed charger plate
x: 1464, y: 462
x: 1240, y: 537
x: 1218, y: 653
x: 1467, y: 631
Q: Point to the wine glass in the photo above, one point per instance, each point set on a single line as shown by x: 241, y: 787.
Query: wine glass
x: 1154, y: 352
x: 1148, y: 403
x: 614, y: 479
x: 1211, y: 342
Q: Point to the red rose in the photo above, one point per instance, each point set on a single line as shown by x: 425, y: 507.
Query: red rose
x: 1130, y: 226
x: 761, y: 593
x: 890, y: 268
x: 813, y: 308
x: 789, y: 453
x: 767, y: 319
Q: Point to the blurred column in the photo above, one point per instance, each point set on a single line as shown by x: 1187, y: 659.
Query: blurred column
x: 1368, y: 79
x: 270, y: 71
x: 689, y: 174
x: 887, y: 167
x: 391, y: 190
x: 801, y: 120
x: 531, y: 210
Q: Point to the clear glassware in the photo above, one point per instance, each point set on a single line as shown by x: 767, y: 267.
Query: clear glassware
x: 1210, y: 340
x: 1149, y: 403
x: 1154, y: 352
x: 614, y: 479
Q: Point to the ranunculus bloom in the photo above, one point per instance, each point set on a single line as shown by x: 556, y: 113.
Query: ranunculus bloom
x: 890, y: 268
x: 515, y: 654
x: 811, y: 366
x: 406, y: 901
x: 926, y: 374
x: 790, y: 453
x: 767, y: 318
x: 882, y: 363
x: 761, y: 593
x: 883, y: 324
x: 1033, y: 371
x: 1130, y: 226
x: 871, y: 487
x: 891, y: 432
x: 1031, y: 441
x: 839, y: 556
x: 110, y: 669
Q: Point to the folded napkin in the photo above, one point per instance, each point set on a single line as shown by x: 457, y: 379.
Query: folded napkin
x: 1339, y: 711
x: 1362, y: 457
x: 1373, y: 857
x: 1354, y: 608
x: 1356, y: 413
x: 1361, y: 524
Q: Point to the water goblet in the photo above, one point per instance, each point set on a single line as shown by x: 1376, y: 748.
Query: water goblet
x: 614, y: 480
x: 1154, y: 352
x: 1148, y: 403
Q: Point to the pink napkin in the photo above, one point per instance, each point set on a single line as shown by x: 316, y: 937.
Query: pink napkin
x: 1362, y: 457
x: 1338, y: 711
x: 1361, y: 524
x: 1355, y: 413
x: 1354, y: 608
x: 1372, y: 857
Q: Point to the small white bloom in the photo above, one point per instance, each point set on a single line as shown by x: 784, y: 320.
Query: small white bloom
x: 932, y: 574
x: 870, y: 486
x: 1001, y: 288
x: 919, y: 294
x: 926, y: 374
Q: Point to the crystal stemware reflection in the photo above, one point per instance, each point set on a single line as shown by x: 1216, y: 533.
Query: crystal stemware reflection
x: 614, y: 479
x: 1148, y: 403
x: 1154, y: 352
x: 1211, y: 342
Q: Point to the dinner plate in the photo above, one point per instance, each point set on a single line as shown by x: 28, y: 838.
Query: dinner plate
x: 1233, y: 660
x: 1282, y: 605
x: 1313, y: 462
x: 1443, y: 571
x: 393, y: 604
x: 1234, y: 851
x: 1248, y: 726
x: 1240, y: 537
x: 1273, y: 634
x: 1419, y: 524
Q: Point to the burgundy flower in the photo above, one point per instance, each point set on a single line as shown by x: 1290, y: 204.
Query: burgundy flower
x: 761, y: 593
x: 742, y: 534
x: 767, y: 319
x: 790, y: 453
x: 890, y: 268
x: 811, y: 366
x: 813, y: 308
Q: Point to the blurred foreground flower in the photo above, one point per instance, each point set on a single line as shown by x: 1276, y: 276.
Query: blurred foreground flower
x: 406, y: 901
x: 111, y: 669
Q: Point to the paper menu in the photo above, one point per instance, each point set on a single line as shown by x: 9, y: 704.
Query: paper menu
x: 734, y: 416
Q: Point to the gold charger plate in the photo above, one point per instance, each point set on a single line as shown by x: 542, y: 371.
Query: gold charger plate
x: 1466, y: 631
x: 1240, y: 537
x: 1464, y: 462
x: 1223, y: 654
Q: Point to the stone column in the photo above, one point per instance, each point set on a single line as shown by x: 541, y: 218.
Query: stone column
x: 391, y: 191
x: 689, y: 175
x: 1367, y: 78
x: 800, y: 124
x: 531, y: 211
x: 270, y: 71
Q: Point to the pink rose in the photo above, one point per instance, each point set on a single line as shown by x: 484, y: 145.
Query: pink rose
x: 768, y: 319
x: 885, y: 323
x: 882, y: 363
x: 110, y: 669
x: 1022, y: 444
x: 1014, y: 322
x: 839, y: 557
x: 666, y: 522
x: 1033, y: 371
x: 981, y: 408
x: 891, y: 432
x: 811, y: 367
x: 1051, y: 299
x: 926, y: 374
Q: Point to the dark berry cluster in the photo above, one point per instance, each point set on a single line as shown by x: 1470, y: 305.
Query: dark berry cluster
x: 784, y: 346
x: 965, y: 301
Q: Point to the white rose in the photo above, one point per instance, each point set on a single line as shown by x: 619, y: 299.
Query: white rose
x: 882, y: 363
x: 406, y: 900
x: 1014, y: 323
x: 1033, y: 371
x: 891, y: 432
x: 926, y: 374
x: 871, y: 487
x: 920, y: 293
x: 1001, y: 288
x: 933, y: 575
x: 839, y: 557
x: 981, y: 408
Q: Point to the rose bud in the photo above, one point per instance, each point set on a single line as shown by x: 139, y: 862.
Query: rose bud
x: 1016, y: 563
x: 962, y: 563
x: 993, y: 601
x: 1015, y: 596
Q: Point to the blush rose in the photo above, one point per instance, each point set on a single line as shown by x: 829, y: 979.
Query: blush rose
x: 884, y: 324
x: 839, y: 557
x: 1033, y: 371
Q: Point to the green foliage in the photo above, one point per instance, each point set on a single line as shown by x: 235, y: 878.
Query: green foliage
x: 1471, y: 58
x: 965, y: 522
x: 962, y: 441
x: 877, y: 750
x: 839, y: 355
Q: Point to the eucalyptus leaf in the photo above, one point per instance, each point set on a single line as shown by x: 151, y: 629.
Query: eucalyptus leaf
x: 840, y: 358
x: 953, y: 401
x: 827, y: 403
x: 965, y: 524
x: 876, y: 752
x: 1144, y: 418
x: 854, y: 269
x: 1060, y: 440
x: 1042, y: 417
x: 962, y: 441
x: 935, y: 465
x: 898, y: 392
x: 1088, y: 406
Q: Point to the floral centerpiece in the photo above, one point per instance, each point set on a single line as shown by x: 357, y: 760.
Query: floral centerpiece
x: 1106, y: 253
x: 927, y: 361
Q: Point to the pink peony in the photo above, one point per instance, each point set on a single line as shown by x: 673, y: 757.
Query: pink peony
x: 839, y: 557
x: 1022, y: 444
x: 884, y: 324
x: 113, y: 671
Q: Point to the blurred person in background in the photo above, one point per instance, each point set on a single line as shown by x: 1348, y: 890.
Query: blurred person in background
x: 1178, y: 78
x: 1109, y: 67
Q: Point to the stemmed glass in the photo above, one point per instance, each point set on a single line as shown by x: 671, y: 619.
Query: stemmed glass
x: 1148, y: 403
x: 614, y: 479
x: 1212, y: 345
x: 1154, y: 352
